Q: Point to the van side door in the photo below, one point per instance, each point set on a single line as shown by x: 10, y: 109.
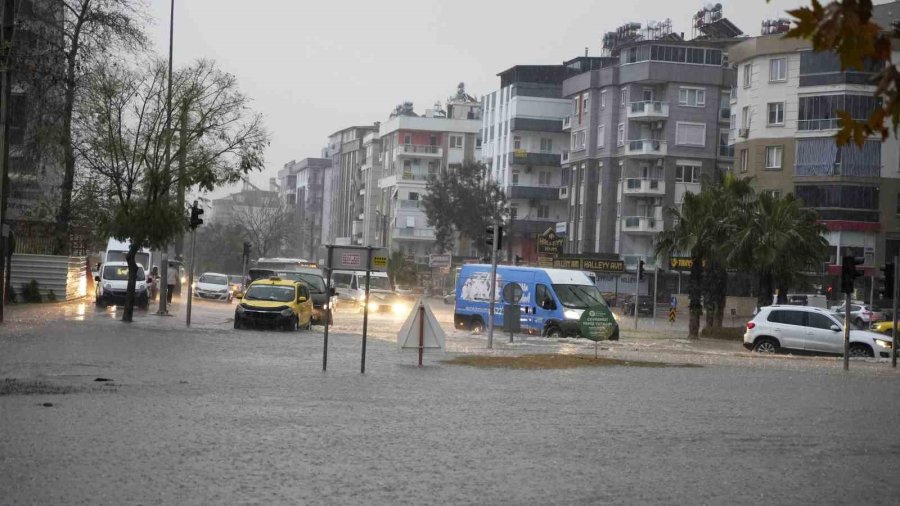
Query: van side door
x: 544, y: 306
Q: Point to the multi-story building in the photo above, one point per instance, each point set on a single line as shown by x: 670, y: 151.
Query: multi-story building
x: 347, y: 153
x: 523, y: 143
x: 301, y: 185
x: 414, y: 148
x: 229, y: 209
x: 370, y: 220
x: 784, y: 118
x: 646, y: 126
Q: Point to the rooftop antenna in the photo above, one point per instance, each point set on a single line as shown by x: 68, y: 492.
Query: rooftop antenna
x: 585, y: 51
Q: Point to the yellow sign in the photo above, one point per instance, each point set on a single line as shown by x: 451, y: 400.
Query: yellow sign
x: 672, y: 315
x: 379, y: 262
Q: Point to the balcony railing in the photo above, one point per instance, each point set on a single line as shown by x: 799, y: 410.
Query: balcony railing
x: 415, y: 233
x: 642, y: 224
x: 646, y: 147
x: 648, y: 110
x: 807, y: 125
x: 420, y: 150
x: 410, y: 204
x: 641, y: 186
x: 533, y: 192
x: 417, y: 175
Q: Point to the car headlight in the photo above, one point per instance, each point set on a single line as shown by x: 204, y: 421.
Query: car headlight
x: 286, y: 312
x: 325, y: 306
x: 573, y: 314
x: 184, y: 279
x: 400, y: 308
x: 883, y: 344
x: 107, y: 286
x: 373, y: 306
x: 239, y: 309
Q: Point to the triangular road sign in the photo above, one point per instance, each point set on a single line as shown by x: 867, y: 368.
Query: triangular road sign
x: 433, y: 334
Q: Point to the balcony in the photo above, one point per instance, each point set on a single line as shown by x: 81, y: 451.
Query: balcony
x: 522, y: 157
x: 416, y: 175
x: 425, y: 234
x: 646, y: 148
x: 420, y: 151
x: 811, y: 125
x: 635, y: 187
x: 648, y: 111
x: 564, y: 157
x: 567, y: 123
x: 410, y: 204
x: 646, y: 225
x: 533, y: 192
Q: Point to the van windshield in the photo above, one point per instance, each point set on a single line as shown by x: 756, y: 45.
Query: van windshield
x: 314, y: 281
x: 578, y: 296
x: 120, y: 273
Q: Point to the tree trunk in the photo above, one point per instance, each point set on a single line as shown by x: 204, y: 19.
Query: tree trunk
x: 128, y: 312
x: 709, y: 296
x: 64, y: 217
x: 764, y: 298
x: 721, y: 294
x: 695, y: 292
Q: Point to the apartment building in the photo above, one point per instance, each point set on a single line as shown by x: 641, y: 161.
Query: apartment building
x: 414, y: 148
x: 301, y: 185
x: 646, y: 124
x: 347, y: 154
x: 784, y: 119
x: 370, y: 221
x: 523, y: 143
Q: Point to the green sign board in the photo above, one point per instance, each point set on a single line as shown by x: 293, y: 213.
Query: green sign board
x: 597, y: 323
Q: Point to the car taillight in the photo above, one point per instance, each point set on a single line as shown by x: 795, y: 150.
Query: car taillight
x: 750, y: 325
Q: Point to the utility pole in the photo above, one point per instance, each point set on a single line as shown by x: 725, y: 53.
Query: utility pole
x: 7, y: 30
x: 494, y: 244
x: 196, y: 221
x: 895, y: 297
x: 182, y: 164
x: 638, y: 275
x: 164, y: 258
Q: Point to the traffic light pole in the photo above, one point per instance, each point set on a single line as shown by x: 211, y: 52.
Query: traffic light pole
x: 493, y: 285
x: 847, y: 331
x: 896, y: 296
x: 190, y: 287
x: 637, y: 290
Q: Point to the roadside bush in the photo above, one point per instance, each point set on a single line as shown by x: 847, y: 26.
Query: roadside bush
x: 725, y: 333
x: 31, y: 292
x: 51, y: 296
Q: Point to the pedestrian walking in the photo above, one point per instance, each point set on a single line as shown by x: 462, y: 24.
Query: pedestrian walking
x: 154, y: 282
x: 171, y: 279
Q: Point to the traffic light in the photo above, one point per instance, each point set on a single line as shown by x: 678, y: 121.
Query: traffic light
x: 640, y: 270
x: 887, y: 284
x: 196, y: 221
x: 849, y: 273
x: 247, y: 248
x: 489, y: 238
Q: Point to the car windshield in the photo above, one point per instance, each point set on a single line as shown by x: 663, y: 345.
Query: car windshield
x: 271, y: 293
x: 315, y: 282
x: 213, y: 279
x: 120, y: 273
x: 578, y: 296
x: 255, y: 274
x: 840, y: 317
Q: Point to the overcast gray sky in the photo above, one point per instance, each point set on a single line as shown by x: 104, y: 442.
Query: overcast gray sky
x: 313, y: 67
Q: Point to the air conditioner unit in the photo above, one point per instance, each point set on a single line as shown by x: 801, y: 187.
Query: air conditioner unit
x: 744, y: 133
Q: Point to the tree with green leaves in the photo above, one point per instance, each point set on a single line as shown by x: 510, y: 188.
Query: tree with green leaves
x: 463, y: 200
x: 123, y: 140
x: 846, y: 28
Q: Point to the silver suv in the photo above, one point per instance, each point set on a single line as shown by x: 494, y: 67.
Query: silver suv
x: 810, y: 329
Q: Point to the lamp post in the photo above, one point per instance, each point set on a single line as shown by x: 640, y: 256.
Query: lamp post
x: 164, y: 260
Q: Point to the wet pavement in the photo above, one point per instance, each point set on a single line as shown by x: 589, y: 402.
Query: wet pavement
x: 214, y: 415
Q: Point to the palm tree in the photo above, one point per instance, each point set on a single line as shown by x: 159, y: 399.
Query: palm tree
x: 780, y: 240
x: 693, y: 232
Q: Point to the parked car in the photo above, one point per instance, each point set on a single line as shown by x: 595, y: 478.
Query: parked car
x: 810, y: 329
x: 862, y: 315
x: 214, y: 286
x: 645, y: 306
x: 280, y: 303
x: 112, y: 283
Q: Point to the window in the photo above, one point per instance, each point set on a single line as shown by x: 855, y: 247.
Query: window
x: 513, y: 212
x: 797, y: 318
x: 603, y: 99
x: 433, y: 141
x: 778, y: 69
x: 748, y: 75
x: 745, y: 117
x: 576, y: 106
x: 410, y: 222
x: 407, y: 139
x: 692, y: 97
x: 456, y: 141
x: 543, y: 211
x: 601, y: 136
x: 690, y: 134
x: 585, y: 100
x: 898, y: 203
x: 578, y: 142
x: 724, y: 149
x: 775, y: 194
x: 744, y: 164
x: 624, y: 95
x: 776, y: 113
x: 773, y: 156
x: 620, y: 135
x: 517, y: 142
x: 515, y: 178
x: 820, y: 112
x: 686, y: 173
x: 733, y: 122
x: 413, y: 196
x: 543, y: 178
x: 546, y: 145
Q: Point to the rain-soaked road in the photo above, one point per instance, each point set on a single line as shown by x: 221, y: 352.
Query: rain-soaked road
x: 212, y: 415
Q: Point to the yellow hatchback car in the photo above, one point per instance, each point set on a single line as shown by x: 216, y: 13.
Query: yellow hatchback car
x: 275, y: 303
x: 885, y: 327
